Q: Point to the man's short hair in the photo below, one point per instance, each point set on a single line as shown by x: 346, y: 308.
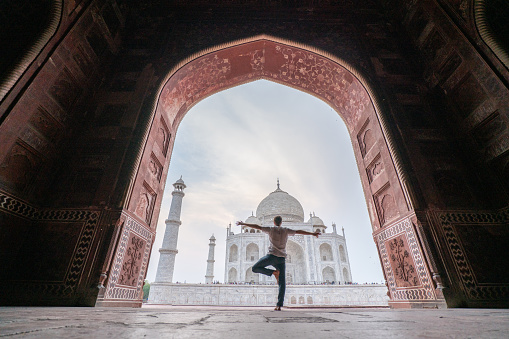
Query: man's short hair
x: 278, y: 220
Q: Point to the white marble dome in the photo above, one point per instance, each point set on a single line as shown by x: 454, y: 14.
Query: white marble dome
x: 280, y: 203
x: 315, y: 221
x: 252, y: 220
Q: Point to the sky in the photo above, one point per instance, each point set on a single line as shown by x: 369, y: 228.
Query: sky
x: 231, y: 148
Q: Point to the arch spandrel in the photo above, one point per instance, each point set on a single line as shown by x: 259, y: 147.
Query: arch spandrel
x: 296, y: 67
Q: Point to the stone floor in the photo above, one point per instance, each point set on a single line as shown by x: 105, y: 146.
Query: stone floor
x: 250, y: 322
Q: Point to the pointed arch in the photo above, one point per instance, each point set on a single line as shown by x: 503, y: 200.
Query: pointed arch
x: 232, y: 275
x: 328, y: 274
x: 325, y: 252
x: 346, y: 275
x: 342, y: 253
x: 252, y: 252
x: 252, y: 277
x: 301, y: 67
x: 290, y: 63
x: 233, y: 253
x: 296, y: 269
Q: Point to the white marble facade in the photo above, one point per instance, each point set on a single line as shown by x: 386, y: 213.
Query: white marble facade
x: 310, y: 260
x: 318, y: 269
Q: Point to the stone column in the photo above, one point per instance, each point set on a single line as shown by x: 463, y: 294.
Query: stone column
x: 168, y: 251
x: 210, y: 261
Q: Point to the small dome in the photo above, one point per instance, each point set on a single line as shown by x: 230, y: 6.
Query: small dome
x: 280, y: 203
x: 252, y: 220
x: 315, y: 221
x: 179, y: 184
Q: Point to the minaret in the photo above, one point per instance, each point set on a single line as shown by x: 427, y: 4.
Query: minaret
x: 210, y: 262
x: 168, y: 251
x: 334, y: 228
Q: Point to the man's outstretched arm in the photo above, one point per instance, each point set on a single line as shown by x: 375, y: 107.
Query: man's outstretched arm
x: 316, y: 234
x: 255, y: 226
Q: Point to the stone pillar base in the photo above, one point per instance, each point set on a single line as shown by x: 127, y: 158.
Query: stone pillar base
x: 436, y: 304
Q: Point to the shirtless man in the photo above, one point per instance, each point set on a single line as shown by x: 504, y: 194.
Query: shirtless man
x: 278, y: 236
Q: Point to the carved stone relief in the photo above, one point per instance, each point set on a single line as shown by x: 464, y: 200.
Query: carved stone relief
x: 402, y: 263
x: 375, y: 169
x: 19, y: 167
x: 35, y: 140
x: 97, y: 43
x: 419, y: 21
x: 65, y: 90
x: 468, y: 95
x: 83, y: 61
x: 449, y: 67
x: 145, y: 203
x: 434, y: 45
x: 452, y: 187
x: 407, y: 275
x: 132, y: 261
x: 46, y: 125
x: 366, y: 138
x: 388, y: 208
x: 163, y: 137
x: 155, y: 169
x: 489, y: 129
x: 296, y: 67
x: 385, y: 205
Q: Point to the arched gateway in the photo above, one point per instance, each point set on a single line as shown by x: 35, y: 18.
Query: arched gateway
x: 88, y: 119
x: 311, y: 71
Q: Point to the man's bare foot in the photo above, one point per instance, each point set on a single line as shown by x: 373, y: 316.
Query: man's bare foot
x: 276, y: 274
x: 278, y: 308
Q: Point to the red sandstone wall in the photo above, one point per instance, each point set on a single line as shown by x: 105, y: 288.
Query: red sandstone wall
x: 51, y: 249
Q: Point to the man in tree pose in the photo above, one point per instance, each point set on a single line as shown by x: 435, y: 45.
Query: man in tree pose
x: 278, y: 236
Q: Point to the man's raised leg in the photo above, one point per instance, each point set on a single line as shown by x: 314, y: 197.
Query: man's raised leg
x: 260, y: 266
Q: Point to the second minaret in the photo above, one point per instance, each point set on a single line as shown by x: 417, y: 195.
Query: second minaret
x: 209, y: 277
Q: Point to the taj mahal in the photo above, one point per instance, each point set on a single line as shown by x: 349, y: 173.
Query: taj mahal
x: 310, y: 260
x: 317, y: 269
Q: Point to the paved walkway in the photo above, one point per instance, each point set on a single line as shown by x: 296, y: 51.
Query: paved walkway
x: 250, y: 322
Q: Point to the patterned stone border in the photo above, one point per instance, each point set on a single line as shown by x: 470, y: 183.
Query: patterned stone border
x: 447, y: 220
x: 122, y: 292
x: 425, y: 290
x: 89, y: 218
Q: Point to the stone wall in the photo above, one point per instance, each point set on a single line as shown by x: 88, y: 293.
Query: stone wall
x: 266, y: 295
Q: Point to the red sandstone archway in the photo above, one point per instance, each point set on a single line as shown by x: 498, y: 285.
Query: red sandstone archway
x: 309, y: 70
